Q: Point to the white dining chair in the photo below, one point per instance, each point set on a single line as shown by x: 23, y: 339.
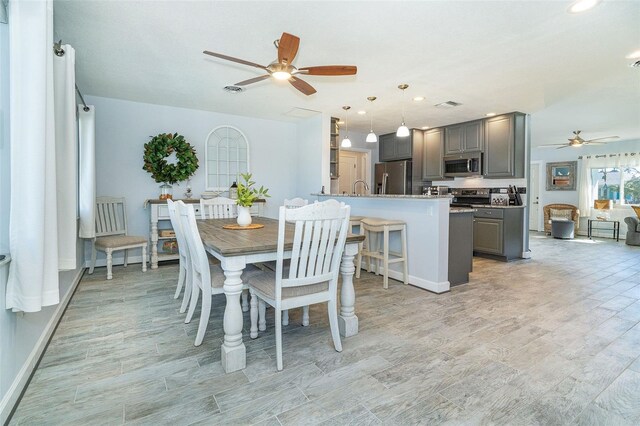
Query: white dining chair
x: 112, y: 234
x: 184, y: 277
x: 205, y: 277
x: 218, y: 208
x: 319, y: 237
x: 294, y: 203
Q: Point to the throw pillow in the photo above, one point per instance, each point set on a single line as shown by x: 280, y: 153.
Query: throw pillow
x: 560, y: 214
x: 637, y: 210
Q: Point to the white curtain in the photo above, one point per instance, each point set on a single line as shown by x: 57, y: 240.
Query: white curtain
x: 585, y: 187
x: 33, y: 235
x: 87, y: 193
x: 64, y: 76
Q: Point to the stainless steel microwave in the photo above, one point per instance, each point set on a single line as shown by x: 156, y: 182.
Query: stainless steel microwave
x: 460, y: 165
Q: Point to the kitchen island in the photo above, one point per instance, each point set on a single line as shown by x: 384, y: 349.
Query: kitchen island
x: 427, y: 219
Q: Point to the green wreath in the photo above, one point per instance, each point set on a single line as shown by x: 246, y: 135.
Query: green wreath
x: 159, y: 148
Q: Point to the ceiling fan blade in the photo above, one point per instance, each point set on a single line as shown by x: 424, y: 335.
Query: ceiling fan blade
x: 302, y: 86
x: 253, y: 80
x: 564, y: 146
x: 552, y: 145
x: 287, y: 48
x: 330, y: 70
x: 594, y: 143
x: 232, y: 59
x: 603, y: 139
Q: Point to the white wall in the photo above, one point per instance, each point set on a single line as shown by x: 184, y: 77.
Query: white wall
x: 123, y: 127
x: 308, y: 159
x: 22, y: 336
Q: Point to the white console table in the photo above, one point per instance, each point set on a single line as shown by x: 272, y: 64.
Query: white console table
x: 159, y: 215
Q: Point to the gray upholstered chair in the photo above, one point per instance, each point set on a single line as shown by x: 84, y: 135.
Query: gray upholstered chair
x: 633, y: 230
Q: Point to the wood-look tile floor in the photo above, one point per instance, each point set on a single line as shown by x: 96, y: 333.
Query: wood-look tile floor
x: 551, y: 340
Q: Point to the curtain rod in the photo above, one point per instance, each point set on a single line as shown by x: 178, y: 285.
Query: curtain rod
x: 630, y: 154
x: 59, y: 51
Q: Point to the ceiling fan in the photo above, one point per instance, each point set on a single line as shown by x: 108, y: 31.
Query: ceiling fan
x: 282, y: 68
x: 577, y: 141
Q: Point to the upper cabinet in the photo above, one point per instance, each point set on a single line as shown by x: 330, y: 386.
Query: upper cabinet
x: 432, y: 153
x: 464, y: 137
x: 504, y: 150
x: 393, y: 148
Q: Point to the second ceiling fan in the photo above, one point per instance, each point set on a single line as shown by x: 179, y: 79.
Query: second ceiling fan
x: 282, y: 69
x: 577, y: 141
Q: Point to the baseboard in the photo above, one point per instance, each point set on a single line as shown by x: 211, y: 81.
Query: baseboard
x: 24, y: 375
x: 435, y: 287
x: 116, y: 261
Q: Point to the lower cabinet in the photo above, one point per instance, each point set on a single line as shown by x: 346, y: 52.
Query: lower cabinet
x: 498, y: 233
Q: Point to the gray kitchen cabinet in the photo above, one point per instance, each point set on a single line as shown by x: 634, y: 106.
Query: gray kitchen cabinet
x: 498, y: 233
x: 393, y: 148
x: 432, y: 153
x: 464, y: 137
x: 460, y: 246
x: 504, y: 149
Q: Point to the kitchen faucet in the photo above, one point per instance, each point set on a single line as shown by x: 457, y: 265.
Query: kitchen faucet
x: 366, y: 186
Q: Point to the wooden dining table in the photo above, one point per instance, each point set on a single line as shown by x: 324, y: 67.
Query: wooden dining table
x: 237, y: 248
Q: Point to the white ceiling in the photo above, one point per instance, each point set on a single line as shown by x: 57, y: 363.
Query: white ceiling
x: 568, y: 71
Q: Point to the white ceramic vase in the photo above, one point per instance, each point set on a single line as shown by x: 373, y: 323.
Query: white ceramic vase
x: 244, y: 217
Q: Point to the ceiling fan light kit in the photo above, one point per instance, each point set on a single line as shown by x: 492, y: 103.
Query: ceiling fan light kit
x: 282, y: 69
x: 346, y: 142
x: 403, y: 130
x: 371, y: 137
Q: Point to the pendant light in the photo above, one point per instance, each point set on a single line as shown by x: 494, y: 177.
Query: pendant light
x: 371, y: 137
x: 403, y: 130
x: 346, y: 142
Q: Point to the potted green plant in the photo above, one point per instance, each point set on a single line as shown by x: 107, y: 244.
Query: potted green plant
x: 247, y: 195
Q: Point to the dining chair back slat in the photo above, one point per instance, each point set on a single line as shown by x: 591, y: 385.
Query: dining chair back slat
x: 218, y: 208
x: 111, y: 216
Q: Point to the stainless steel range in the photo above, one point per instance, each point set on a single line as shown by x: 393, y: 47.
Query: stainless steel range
x: 465, y: 197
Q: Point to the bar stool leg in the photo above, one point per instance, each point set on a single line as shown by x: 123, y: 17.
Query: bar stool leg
x: 385, y: 248
x: 359, y: 257
x: 367, y: 239
x: 403, y: 234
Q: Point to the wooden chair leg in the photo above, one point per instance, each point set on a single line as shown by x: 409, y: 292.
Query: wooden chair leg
x: 253, y: 331
x: 385, y: 263
x: 93, y: 257
x: 126, y: 257
x: 285, y: 317
x: 205, y: 312
x: 279, y: 339
x: 333, y: 324
x: 305, y: 316
x: 181, y: 278
x: 262, y: 313
x: 144, y: 258
x: 245, y: 300
x: 404, y: 255
x: 186, y: 297
x: 195, y: 292
x: 109, y: 263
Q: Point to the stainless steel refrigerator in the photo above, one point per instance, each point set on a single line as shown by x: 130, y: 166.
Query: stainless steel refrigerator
x: 393, y: 177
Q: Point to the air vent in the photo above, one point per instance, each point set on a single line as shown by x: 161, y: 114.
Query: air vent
x: 635, y: 64
x: 234, y: 89
x: 448, y: 104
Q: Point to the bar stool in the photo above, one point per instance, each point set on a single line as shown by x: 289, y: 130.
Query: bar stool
x: 353, y: 222
x: 372, y: 227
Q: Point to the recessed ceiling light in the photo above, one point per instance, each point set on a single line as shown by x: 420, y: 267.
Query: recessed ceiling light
x: 362, y: 112
x: 418, y: 98
x: 633, y: 55
x: 490, y: 114
x: 579, y: 6
x: 424, y: 127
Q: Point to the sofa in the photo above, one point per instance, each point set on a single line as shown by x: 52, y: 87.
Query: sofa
x: 572, y: 213
x: 633, y: 230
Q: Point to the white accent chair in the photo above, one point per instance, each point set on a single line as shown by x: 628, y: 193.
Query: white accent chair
x: 205, y: 277
x: 218, y: 208
x: 111, y: 233
x: 319, y: 238
x: 293, y: 203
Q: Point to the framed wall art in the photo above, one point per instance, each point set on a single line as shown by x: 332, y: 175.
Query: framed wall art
x: 561, y: 176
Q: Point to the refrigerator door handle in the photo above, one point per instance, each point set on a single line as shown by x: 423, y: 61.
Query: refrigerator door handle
x: 384, y: 182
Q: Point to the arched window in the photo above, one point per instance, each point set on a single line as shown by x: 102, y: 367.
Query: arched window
x: 226, y: 156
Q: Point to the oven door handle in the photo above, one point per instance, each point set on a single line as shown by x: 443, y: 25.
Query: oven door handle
x: 468, y: 165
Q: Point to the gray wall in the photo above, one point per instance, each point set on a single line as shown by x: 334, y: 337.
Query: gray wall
x: 21, y: 335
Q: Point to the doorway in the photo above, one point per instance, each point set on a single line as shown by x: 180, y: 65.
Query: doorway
x: 534, y: 196
x: 354, y: 166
